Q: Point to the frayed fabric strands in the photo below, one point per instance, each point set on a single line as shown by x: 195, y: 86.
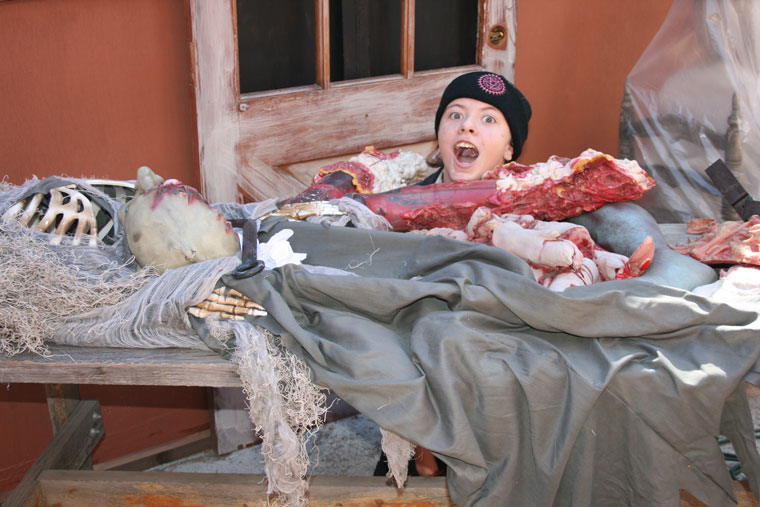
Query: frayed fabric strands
x: 155, y: 316
x: 398, y: 450
x: 286, y: 407
x: 38, y: 289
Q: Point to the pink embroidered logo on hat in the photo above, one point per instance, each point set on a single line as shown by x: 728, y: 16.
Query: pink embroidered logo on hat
x: 492, y: 83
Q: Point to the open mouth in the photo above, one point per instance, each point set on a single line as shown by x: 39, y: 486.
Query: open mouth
x: 465, y: 153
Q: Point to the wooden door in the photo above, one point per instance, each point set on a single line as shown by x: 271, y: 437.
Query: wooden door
x: 355, y: 95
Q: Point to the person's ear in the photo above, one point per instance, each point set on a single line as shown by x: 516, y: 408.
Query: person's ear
x: 508, y: 152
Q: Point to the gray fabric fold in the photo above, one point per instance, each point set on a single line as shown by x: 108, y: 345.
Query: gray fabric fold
x: 611, y: 394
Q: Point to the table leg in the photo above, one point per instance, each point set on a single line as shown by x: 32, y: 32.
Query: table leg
x: 62, y: 399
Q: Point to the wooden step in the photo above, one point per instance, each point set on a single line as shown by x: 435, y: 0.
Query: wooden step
x: 97, y: 488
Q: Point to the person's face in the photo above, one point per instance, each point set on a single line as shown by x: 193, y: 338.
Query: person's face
x: 473, y: 138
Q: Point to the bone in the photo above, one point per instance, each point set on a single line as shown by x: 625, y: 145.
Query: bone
x: 537, y: 247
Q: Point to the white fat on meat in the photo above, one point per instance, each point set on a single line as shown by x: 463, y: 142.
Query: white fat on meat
x: 395, y: 171
x: 536, y: 246
x: 525, y: 221
x: 557, y: 227
x: 552, y: 169
x: 631, y: 168
x: 569, y: 231
x: 557, y: 168
x: 554, y: 250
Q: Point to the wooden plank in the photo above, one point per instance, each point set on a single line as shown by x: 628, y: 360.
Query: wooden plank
x: 95, y: 489
x: 62, y: 399
x: 502, y: 13
x: 159, y: 454
x: 407, y: 38
x: 352, y: 116
x: 70, y: 448
x: 34, y: 499
x: 744, y: 496
x: 214, y: 71
x: 322, y: 14
x: 120, y: 366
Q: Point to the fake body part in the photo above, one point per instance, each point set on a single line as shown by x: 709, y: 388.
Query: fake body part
x: 226, y: 303
x: 169, y: 224
x: 372, y: 171
x: 732, y: 242
x: 472, y: 211
x: 69, y: 210
x: 560, y: 254
x: 553, y: 190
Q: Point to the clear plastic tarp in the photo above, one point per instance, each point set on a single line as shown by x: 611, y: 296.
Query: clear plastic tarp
x: 695, y: 98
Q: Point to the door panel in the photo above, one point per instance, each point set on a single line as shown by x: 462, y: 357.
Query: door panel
x: 244, y: 140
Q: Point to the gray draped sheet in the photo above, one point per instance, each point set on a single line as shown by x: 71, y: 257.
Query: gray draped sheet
x: 611, y: 394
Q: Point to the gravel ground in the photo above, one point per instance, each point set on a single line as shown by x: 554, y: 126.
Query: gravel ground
x: 349, y: 446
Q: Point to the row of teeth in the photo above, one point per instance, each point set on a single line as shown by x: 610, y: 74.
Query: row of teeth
x: 465, y: 145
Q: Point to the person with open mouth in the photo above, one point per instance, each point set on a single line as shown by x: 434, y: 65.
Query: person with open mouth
x: 481, y: 123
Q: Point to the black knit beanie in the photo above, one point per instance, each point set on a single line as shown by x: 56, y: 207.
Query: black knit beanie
x: 497, y: 91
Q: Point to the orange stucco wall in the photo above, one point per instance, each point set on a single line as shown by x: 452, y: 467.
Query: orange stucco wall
x: 95, y: 88
x: 134, y: 417
x: 572, y: 60
x: 100, y: 87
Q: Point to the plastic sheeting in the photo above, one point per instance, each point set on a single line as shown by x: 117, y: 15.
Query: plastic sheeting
x: 682, y: 89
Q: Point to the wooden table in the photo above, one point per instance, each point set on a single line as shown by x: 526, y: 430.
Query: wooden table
x: 121, y: 366
x: 61, y: 476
